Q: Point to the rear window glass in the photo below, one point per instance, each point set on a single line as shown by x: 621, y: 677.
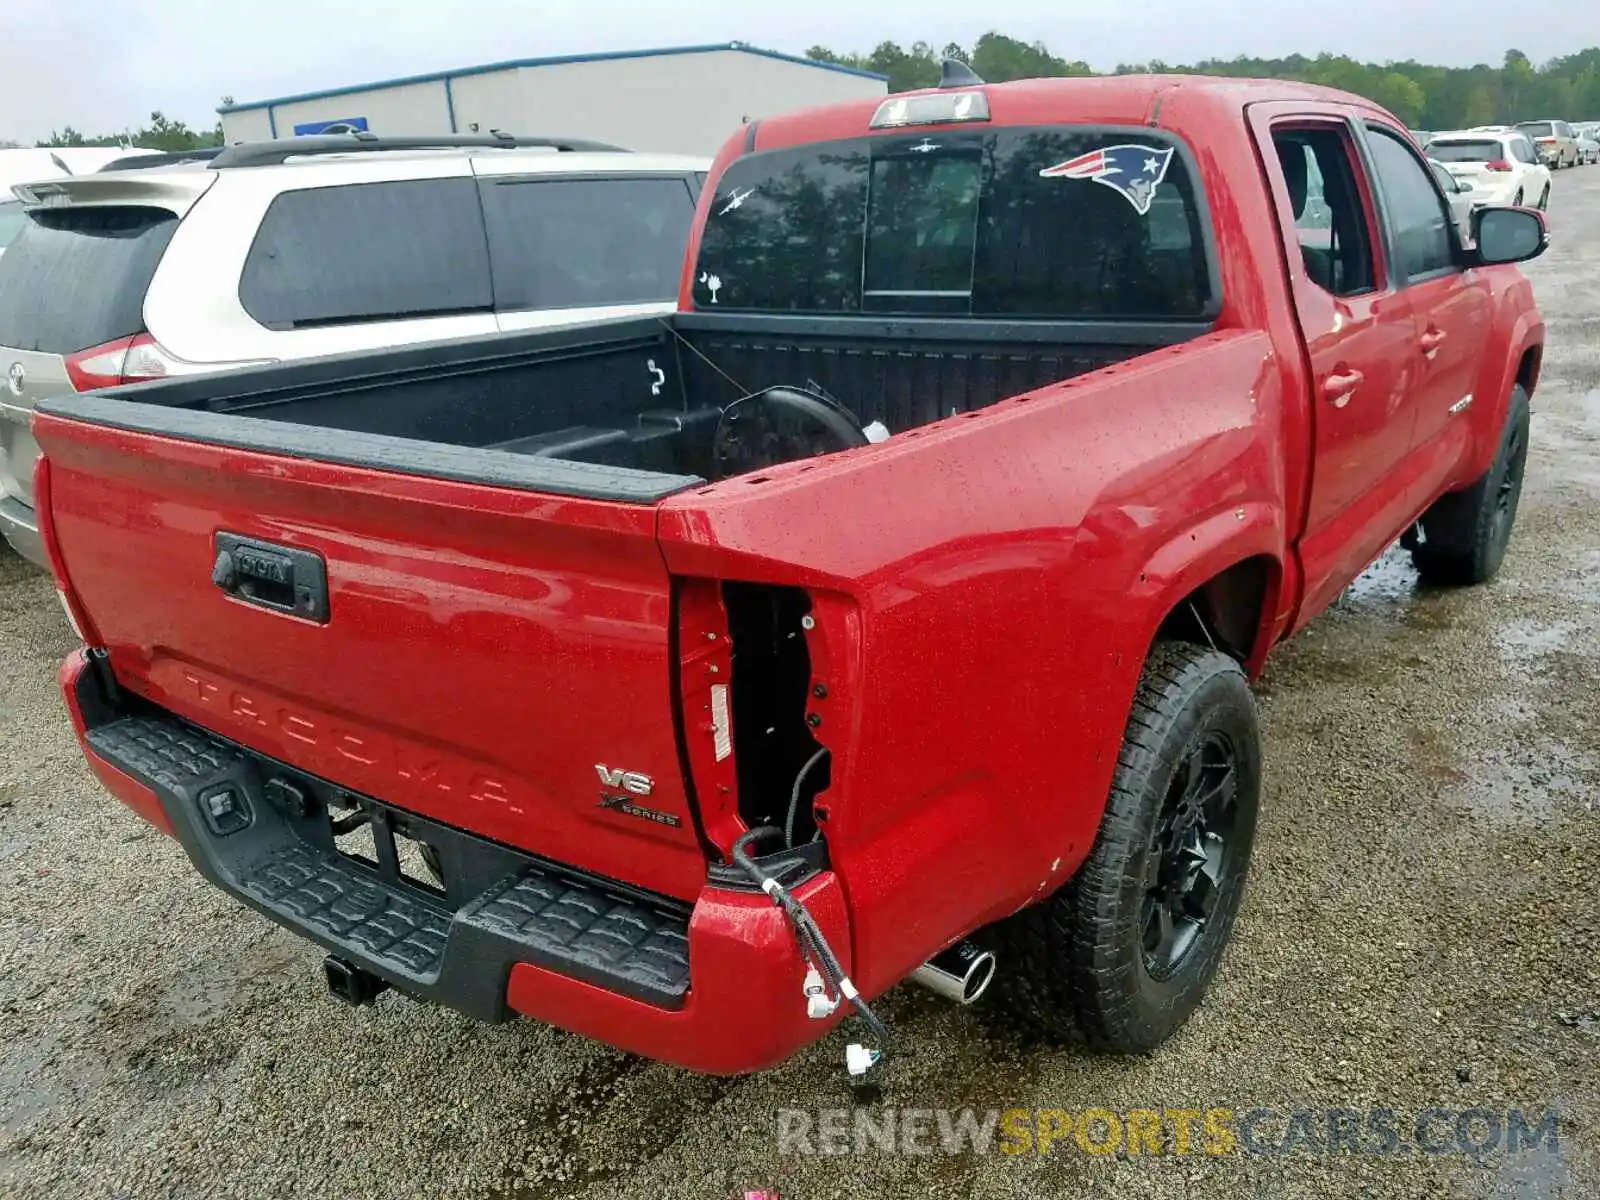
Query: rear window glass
x: 1537, y: 129
x: 569, y: 243
x: 1466, y: 151
x: 368, y: 252
x: 76, y: 277
x: 1015, y: 222
x: 11, y: 222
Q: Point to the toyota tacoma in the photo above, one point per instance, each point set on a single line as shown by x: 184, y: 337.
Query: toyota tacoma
x: 889, y: 611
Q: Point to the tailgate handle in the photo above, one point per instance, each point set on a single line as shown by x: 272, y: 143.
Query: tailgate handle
x: 280, y: 578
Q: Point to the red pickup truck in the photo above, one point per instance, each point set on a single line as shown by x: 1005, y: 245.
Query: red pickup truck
x: 888, y: 611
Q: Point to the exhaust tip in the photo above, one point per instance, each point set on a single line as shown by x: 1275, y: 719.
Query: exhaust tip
x: 960, y: 974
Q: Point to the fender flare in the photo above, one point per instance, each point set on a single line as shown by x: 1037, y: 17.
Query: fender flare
x: 1526, y: 333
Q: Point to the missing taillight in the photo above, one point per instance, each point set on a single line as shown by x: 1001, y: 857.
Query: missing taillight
x: 780, y: 766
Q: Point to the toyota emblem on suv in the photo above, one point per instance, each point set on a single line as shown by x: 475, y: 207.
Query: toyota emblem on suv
x: 17, y: 377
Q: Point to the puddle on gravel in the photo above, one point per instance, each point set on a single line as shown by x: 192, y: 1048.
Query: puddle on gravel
x: 1524, y: 786
x: 1391, y: 580
x: 1525, y: 642
x: 1391, y: 590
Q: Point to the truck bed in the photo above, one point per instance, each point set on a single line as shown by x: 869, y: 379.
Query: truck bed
x: 625, y: 410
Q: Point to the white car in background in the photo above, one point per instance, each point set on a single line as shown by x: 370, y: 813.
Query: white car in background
x: 1459, y: 193
x: 1502, y: 166
x: 285, y: 250
x: 1588, y: 143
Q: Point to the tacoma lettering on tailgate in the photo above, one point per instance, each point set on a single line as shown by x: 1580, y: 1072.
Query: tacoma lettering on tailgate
x: 379, y: 757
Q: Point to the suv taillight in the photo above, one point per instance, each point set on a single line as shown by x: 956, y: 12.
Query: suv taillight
x: 131, y: 359
x: 1499, y: 164
x: 122, y: 361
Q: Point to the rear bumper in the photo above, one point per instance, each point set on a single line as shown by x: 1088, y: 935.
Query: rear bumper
x: 716, y: 987
x: 1502, y: 193
x: 20, y: 528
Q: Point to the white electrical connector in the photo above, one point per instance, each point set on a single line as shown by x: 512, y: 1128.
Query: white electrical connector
x: 858, y: 1060
x: 876, y: 432
x: 819, y: 1005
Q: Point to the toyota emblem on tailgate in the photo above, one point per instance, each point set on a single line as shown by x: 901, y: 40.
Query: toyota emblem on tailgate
x: 17, y: 378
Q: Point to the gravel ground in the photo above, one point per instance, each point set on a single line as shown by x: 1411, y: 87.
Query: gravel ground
x: 1421, y: 929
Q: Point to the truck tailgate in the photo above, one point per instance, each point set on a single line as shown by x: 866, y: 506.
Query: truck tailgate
x: 487, y: 657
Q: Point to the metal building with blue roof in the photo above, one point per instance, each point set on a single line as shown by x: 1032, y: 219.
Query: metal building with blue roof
x: 680, y: 99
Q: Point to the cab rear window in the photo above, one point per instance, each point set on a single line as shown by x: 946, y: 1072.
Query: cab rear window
x: 76, y: 277
x: 1045, y: 223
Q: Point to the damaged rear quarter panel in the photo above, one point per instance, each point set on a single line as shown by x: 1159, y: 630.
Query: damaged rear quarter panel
x: 998, y: 571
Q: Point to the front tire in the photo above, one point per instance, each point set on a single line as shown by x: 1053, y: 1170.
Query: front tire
x: 1465, y: 533
x: 1121, y: 955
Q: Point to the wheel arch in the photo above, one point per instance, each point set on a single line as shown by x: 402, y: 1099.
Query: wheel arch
x: 1220, y: 584
x: 1227, y: 611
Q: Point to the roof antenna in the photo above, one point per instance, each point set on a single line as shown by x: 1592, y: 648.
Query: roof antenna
x: 953, y: 73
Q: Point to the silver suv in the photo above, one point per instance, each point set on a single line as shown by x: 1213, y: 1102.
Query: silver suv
x: 292, y: 249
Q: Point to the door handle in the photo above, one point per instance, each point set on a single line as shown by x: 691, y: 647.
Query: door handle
x: 284, y: 579
x: 1430, y: 341
x: 1337, y: 387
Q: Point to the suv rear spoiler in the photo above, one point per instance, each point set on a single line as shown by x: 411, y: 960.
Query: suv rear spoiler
x: 175, y: 191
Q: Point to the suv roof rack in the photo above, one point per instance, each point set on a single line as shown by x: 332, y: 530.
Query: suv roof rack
x: 137, y: 162
x: 266, y: 154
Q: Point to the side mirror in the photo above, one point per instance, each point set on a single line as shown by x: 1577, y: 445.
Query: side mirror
x: 1509, y: 235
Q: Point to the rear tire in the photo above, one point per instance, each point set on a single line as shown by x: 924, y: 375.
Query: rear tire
x: 1517, y: 199
x: 1121, y: 955
x: 1465, y: 533
x: 1544, y: 198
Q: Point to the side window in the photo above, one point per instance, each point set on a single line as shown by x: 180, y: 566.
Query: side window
x: 368, y: 252
x: 1522, y: 150
x: 1413, y: 211
x: 1330, y: 219
x: 575, y: 243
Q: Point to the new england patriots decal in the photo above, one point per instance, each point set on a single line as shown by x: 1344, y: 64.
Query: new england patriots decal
x: 1134, y: 171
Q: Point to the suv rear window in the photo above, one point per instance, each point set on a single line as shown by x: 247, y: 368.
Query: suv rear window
x: 368, y: 252
x: 962, y: 223
x: 567, y: 243
x: 76, y: 277
x: 1461, y: 152
x: 11, y: 222
x: 1538, y: 129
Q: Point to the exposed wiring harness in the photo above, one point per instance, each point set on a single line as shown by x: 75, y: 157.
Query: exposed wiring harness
x: 794, y: 798
x: 814, y: 949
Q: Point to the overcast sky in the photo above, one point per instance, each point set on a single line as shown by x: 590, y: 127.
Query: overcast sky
x: 102, y: 65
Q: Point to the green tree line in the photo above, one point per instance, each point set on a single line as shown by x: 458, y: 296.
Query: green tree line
x: 161, y: 133
x: 1421, y: 95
